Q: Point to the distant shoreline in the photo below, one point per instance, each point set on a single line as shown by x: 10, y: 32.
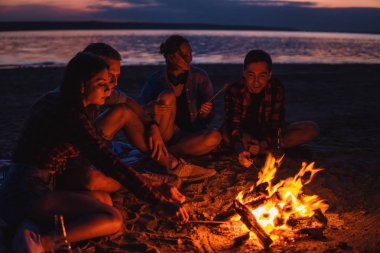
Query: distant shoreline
x: 61, y: 66
x: 96, y: 25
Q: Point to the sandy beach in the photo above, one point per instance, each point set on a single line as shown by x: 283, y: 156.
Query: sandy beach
x: 342, y: 99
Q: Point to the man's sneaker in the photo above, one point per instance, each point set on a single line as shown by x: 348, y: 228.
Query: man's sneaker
x: 188, y: 172
x: 157, y: 179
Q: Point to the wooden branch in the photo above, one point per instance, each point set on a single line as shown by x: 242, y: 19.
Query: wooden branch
x: 240, y: 240
x: 218, y: 92
x: 256, y: 193
x: 256, y: 203
x: 225, y: 215
x: 319, y: 216
x: 260, y: 197
x: 250, y: 221
x: 312, y: 226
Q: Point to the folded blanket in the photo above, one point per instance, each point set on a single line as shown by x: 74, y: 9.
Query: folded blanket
x: 127, y: 152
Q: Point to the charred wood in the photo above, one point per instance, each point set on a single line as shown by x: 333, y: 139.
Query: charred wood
x: 310, y: 226
x: 240, y: 240
x: 319, y: 216
x: 256, y: 193
x: 250, y: 221
x: 227, y: 215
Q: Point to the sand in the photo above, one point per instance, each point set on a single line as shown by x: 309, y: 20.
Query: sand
x: 342, y: 99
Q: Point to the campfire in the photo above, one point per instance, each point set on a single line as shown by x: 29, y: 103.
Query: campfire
x: 272, y: 213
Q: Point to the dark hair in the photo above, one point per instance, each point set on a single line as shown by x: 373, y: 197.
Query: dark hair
x: 103, y: 50
x: 81, y: 68
x: 258, y: 55
x: 172, y: 44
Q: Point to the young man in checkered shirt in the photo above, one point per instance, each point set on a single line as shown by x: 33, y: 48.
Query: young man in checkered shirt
x: 255, y: 114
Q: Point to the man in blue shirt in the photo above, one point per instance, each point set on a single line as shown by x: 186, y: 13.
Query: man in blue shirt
x: 178, y: 98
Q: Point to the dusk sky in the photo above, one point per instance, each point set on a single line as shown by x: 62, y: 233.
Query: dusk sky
x: 317, y: 15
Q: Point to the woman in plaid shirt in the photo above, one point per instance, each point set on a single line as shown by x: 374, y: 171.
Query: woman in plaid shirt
x: 254, y: 111
x: 58, y: 129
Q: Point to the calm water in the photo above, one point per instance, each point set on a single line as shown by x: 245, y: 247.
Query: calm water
x: 140, y: 47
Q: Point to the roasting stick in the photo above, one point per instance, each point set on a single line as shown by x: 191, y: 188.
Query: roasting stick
x: 253, y: 164
x: 218, y: 92
x: 208, y: 221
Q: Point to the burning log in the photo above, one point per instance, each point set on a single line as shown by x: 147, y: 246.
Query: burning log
x: 225, y: 215
x: 318, y: 219
x: 256, y: 203
x: 312, y: 226
x: 265, y: 209
x: 256, y: 193
x: 250, y: 221
x: 256, y: 196
x: 262, y: 200
x: 240, y: 240
x: 319, y: 216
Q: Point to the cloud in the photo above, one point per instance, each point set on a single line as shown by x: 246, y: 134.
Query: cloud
x: 38, y: 12
x: 76, y: 5
x: 297, y: 14
x: 314, y: 3
x: 277, y: 3
x: 120, y: 4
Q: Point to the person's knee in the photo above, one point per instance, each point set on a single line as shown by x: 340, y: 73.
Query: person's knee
x: 166, y: 98
x: 122, y: 113
x: 115, y: 220
x: 91, y: 180
x: 213, y: 138
x: 103, y: 197
x: 97, y: 181
x: 313, y: 130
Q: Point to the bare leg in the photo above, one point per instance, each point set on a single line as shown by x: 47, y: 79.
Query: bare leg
x: 194, y: 144
x: 84, y: 177
x: 197, y: 144
x: 85, y: 216
x: 122, y: 117
x: 164, y: 110
x: 81, y: 176
x: 299, y: 133
x: 100, y: 196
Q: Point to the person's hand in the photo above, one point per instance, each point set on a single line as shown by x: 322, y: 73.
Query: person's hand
x: 156, y: 144
x: 254, y: 147
x: 171, y: 193
x: 174, y: 210
x: 244, y: 158
x: 206, y: 109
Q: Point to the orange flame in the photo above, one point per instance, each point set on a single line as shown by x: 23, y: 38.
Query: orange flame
x: 288, y: 200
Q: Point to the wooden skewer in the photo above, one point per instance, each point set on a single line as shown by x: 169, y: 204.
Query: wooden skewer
x: 208, y: 221
x: 253, y: 164
x: 218, y: 92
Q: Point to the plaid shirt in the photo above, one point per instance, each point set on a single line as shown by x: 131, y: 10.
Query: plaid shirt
x: 271, y: 110
x: 56, y: 132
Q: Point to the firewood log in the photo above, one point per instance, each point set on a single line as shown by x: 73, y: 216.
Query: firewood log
x: 257, y: 192
x: 310, y: 226
x: 250, y: 221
